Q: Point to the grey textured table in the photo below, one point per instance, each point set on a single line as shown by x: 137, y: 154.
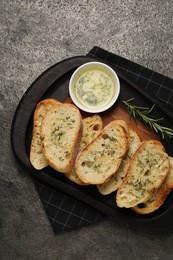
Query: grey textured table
x: 34, y: 36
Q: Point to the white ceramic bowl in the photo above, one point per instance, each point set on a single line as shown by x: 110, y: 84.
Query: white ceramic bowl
x: 94, y: 89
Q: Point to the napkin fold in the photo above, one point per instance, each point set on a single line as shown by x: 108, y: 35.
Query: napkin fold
x: 65, y: 212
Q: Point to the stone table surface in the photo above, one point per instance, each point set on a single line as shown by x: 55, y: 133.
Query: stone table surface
x: 35, y: 34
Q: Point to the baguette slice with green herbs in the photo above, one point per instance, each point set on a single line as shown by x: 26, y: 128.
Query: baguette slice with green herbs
x: 101, y: 158
x: 92, y: 126
x: 37, y: 158
x: 158, y: 197
x: 123, y: 124
x: 116, y: 180
x: 148, y: 169
x: 60, y: 135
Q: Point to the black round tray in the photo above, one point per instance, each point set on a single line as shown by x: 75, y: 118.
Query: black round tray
x: 54, y: 83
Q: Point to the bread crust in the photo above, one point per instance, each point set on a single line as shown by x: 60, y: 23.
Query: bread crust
x: 61, y: 131
x: 148, y: 169
x: 101, y: 158
x: 37, y: 158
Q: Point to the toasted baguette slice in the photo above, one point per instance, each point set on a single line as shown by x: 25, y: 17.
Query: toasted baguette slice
x: 148, y: 168
x: 92, y: 126
x: 60, y: 135
x: 101, y: 158
x: 37, y: 158
x: 123, y: 124
x: 117, y: 178
x: 158, y: 197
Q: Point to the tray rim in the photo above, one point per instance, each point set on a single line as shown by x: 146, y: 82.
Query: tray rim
x: 112, y: 213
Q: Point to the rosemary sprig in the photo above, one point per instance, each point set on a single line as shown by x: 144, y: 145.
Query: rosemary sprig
x: 144, y: 114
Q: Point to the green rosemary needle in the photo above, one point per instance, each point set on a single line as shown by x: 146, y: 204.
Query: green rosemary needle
x: 144, y: 114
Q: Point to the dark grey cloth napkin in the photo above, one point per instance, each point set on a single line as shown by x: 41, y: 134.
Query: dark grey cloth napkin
x: 66, y: 212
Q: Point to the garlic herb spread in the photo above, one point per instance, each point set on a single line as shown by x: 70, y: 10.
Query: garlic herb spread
x: 94, y: 88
